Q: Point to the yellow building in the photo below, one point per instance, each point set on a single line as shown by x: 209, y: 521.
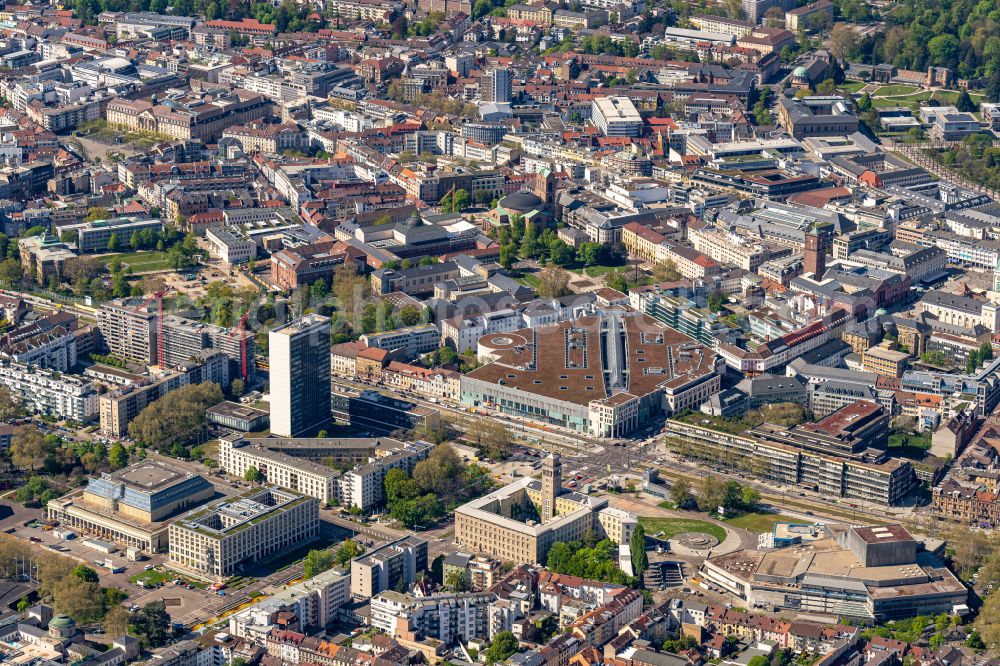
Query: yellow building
x: 884, y: 361
x: 521, y: 521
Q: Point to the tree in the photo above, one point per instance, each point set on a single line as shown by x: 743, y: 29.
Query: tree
x: 350, y: 289
x: 508, y: 255
x: 455, y: 581
x: 116, y: 622
x: 440, y: 472
x: 666, y: 271
x: 113, y: 243
x: 347, y: 552
x: 712, y: 495
x: 460, y: 201
x: 943, y: 49
x: 176, y: 418
x: 591, y: 253
x: 237, y: 387
x: 492, y: 437
x: 785, y: 414
x: 409, y: 315
x: 117, y: 456
x: 399, y: 487
x: 554, y: 282
x: 774, y: 18
x: 985, y: 352
x: 716, y: 300
x: 843, y: 41
x: 965, y: 103
x: 97, y: 213
x: 11, y: 273
x: 316, y: 562
x: 975, y: 641
x: 10, y: 405
x: 502, y: 648
x: 28, y: 448
x: 86, y: 574
x: 152, y: 623
x: 638, y: 546
x: 865, y: 103
x: 80, y: 599
x: 562, y: 254
x: 681, y: 493
x: 253, y: 475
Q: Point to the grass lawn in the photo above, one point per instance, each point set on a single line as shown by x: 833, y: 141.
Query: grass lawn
x: 895, y: 89
x: 852, y: 86
x: 529, y: 279
x: 759, y: 522
x: 671, y: 527
x: 919, y: 440
x: 140, y: 262
x: 666, y: 504
x: 149, y: 578
x: 951, y: 96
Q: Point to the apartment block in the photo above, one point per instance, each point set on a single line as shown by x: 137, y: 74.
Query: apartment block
x: 388, y: 566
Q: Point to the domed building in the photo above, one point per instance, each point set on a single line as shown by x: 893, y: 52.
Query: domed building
x: 521, y: 202
x: 62, y: 627
x: 525, y: 203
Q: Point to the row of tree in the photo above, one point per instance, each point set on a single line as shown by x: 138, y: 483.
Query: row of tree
x: 715, y: 493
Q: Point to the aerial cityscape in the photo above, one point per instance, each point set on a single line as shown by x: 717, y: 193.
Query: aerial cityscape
x: 500, y: 333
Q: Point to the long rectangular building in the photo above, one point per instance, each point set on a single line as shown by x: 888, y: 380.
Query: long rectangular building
x: 885, y: 483
x: 218, y: 540
x: 310, y: 466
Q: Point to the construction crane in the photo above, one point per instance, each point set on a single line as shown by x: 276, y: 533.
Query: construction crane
x: 158, y: 297
x: 242, y: 329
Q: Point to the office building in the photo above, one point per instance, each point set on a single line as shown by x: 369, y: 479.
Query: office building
x: 299, y: 356
x: 522, y: 520
x: 410, y: 341
x: 131, y: 506
x: 496, y: 85
x: 616, y: 116
x: 220, y: 539
x: 96, y: 236
x: 304, y: 465
x: 383, y: 413
x: 780, y: 458
x: 388, y: 567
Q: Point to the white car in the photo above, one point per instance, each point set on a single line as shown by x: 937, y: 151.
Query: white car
x: 147, y: 567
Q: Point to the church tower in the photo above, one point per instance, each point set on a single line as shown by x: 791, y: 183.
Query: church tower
x: 551, y: 486
x: 814, y: 262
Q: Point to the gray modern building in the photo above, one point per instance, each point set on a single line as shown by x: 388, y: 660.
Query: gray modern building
x: 300, y: 375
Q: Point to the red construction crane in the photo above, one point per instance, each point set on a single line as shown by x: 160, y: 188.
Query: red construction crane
x: 242, y: 328
x: 158, y: 297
